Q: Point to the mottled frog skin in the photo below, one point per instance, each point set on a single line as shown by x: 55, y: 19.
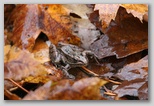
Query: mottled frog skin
x: 66, y: 56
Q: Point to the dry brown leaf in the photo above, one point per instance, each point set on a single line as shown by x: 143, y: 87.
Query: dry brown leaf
x: 134, y: 70
x: 138, y: 10
x: 129, y: 87
x: 143, y: 91
x: 58, y: 12
x: 108, y: 12
x: 83, y: 89
x: 21, y: 64
x: 34, y: 19
x: 124, y: 36
x: 135, y: 76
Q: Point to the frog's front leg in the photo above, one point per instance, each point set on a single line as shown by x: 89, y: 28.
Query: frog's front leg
x: 88, y: 52
x: 66, y: 68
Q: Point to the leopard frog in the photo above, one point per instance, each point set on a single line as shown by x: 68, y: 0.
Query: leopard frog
x: 66, y: 56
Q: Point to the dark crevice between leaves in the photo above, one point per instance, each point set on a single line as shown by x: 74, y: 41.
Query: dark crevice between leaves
x: 27, y: 86
x: 74, y: 15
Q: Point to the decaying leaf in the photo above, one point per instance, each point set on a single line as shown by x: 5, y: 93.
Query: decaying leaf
x: 21, y: 64
x: 124, y: 36
x: 134, y: 70
x: 130, y: 88
x: 107, y: 12
x: 41, y: 93
x: 138, y: 10
x: 32, y: 19
x: 117, y: 34
x: 86, y: 31
x: 94, y: 18
x: 84, y: 89
x: 135, y: 76
x: 143, y: 91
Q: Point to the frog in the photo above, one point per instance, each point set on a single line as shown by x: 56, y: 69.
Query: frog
x: 66, y: 56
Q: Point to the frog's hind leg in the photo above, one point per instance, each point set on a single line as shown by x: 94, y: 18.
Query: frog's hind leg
x: 65, y: 71
x: 70, y: 76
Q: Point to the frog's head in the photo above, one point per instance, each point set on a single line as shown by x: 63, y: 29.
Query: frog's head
x: 82, y: 60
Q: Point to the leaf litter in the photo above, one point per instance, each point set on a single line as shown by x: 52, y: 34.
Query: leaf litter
x: 117, y: 34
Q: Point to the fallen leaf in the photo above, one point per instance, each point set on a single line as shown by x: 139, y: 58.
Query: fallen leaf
x: 86, y: 31
x: 143, y: 92
x: 124, y: 36
x: 34, y: 19
x: 83, y: 89
x: 138, y: 10
x: 60, y: 14
x: 135, y: 80
x: 21, y: 64
x: 94, y: 18
x: 107, y: 12
x: 134, y: 70
x: 130, y: 88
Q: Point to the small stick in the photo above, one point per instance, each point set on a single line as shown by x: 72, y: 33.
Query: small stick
x: 87, y: 70
x: 17, y: 85
x: 115, y: 82
x: 109, y: 92
x: 96, y: 75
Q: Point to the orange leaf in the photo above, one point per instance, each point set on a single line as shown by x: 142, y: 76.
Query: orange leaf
x: 32, y: 19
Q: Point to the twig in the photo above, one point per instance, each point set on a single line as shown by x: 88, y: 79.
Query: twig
x: 90, y: 72
x: 96, y: 75
x: 115, y: 82
x: 17, y: 85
